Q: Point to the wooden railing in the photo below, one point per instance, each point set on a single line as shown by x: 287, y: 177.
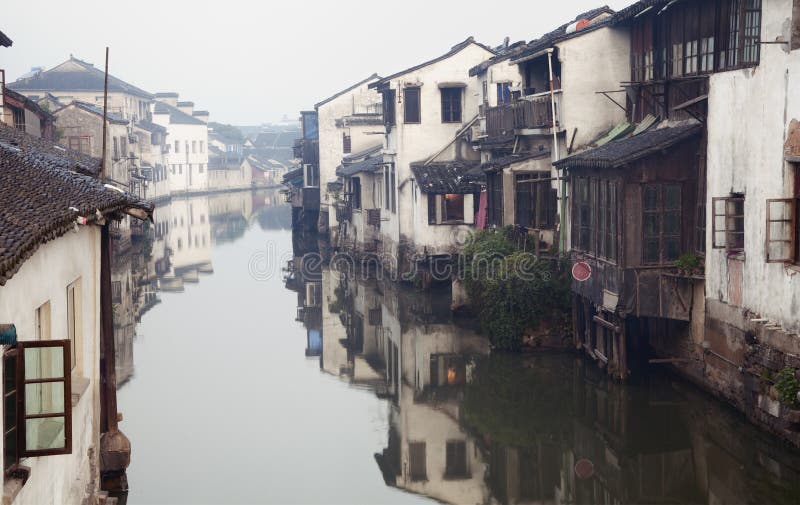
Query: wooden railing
x: 530, y: 113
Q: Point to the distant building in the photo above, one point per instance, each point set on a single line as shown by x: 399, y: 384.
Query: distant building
x: 187, y: 149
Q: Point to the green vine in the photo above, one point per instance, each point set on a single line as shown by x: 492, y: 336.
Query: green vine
x: 788, y: 386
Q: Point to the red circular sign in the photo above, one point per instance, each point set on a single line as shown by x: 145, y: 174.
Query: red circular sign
x: 581, y: 271
x: 584, y: 468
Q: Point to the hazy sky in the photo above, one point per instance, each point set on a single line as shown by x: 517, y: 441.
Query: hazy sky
x: 249, y: 62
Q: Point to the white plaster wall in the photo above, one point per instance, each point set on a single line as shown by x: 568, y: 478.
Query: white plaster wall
x: 196, y: 182
x: 749, y: 114
x: 331, y: 148
x: 407, y: 143
x: 598, y: 60
x: 44, y: 277
x: 334, y: 355
x: 223, y: 180
x: 190, y: 233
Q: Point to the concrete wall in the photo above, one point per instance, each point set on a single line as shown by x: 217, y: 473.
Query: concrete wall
x: 228, y: 179
x: 45, y: 277
x: 747, y: 157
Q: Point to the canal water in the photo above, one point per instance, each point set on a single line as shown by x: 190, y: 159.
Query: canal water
x: 250, y: 373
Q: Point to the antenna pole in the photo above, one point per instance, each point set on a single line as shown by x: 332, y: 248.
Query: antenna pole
x: 105, y: 120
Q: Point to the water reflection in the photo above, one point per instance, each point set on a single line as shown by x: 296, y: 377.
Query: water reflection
x: 175, y: 250
x: 467, y: 426
x: 384, y: 398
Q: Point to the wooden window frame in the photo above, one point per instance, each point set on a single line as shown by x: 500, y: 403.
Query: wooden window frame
x: 437, y: 209
x: 421, y: 449
x: 542, y: 198
x: 790, y: 207
x: 503, y: 93
x: 455, y: 451
x: 347, y: 143
x: 355, y: 193
x: 494, y: 198
x: 452, y: 104
x: 389, y: 99
x: 660, y: 212
x: 727, y: 216
x: 411, y: 93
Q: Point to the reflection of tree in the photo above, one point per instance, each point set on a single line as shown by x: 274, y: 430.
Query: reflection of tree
x: 519, y: 402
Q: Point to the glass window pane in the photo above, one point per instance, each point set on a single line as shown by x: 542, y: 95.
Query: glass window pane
x: 672, y: 223
x: 45, y: 433
x: 651, y: 224
x: 650, y: 198
x: 672, y: 249
x: 651, y: 251
x: 44, y: 398
x: 672, y: 197
x: 10, y: 411
x: 44, y: 362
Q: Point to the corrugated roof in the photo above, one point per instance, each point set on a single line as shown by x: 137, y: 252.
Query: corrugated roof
x: 39, y: 192
x: 76, y: 75
x: 444, y: 177
x: 623, y: 151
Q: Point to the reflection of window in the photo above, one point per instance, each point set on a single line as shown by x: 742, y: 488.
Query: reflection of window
x: 661, y: 223
x: 447, y: 370
x: 355, y: 192
x: 417, y: 470
x: 445, y: 209
x: 456, y: 459
x: 411, y: 109
x: 75, y: 320
x: 728, y: 222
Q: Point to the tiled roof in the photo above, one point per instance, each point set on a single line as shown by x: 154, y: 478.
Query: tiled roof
x: 627, y: 150
x: 53, y: 153
x: 547, y: 40
x: 76, y: 75
x: 351, y: 88
x: 370, y: 164
x: 151, y: 127
x: 39, y: 192
x: 113, y: 117
x: 166, y: 94
x: 454, y: 50
x: 506, y: 161
x: 449, y: 176
x: 176, y: 116
x: 632, y: 10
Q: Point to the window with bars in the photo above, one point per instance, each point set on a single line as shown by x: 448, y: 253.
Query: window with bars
x: 728, y: 222
x: 661, y: 223
x: 451, y: 105
x: 19, y: 119
x: 411, y: 105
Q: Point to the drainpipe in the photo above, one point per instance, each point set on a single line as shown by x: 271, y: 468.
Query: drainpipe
x: 556, y: 150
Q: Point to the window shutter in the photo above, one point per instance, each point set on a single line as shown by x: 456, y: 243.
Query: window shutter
x: 552, y: 208
x: 45, y: 416
x: 780, y: 230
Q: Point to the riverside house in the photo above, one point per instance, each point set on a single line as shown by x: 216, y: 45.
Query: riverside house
x: 60, y: 435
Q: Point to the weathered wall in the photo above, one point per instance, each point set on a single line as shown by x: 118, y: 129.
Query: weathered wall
x: 748, y: 158
x: 45, y: 277
x: 182, y: 178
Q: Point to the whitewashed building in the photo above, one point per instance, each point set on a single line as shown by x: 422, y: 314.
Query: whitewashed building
x: 348, y: 122
x: 431, y: 175
x: 525, y: 125
x: 55, y: 317
x: 187, y: 141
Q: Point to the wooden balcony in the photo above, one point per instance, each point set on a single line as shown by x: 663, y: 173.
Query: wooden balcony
x: 532, y: 115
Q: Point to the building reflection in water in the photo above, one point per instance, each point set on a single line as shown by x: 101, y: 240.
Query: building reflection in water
x: 468, y: 426
x: 175, y: 250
